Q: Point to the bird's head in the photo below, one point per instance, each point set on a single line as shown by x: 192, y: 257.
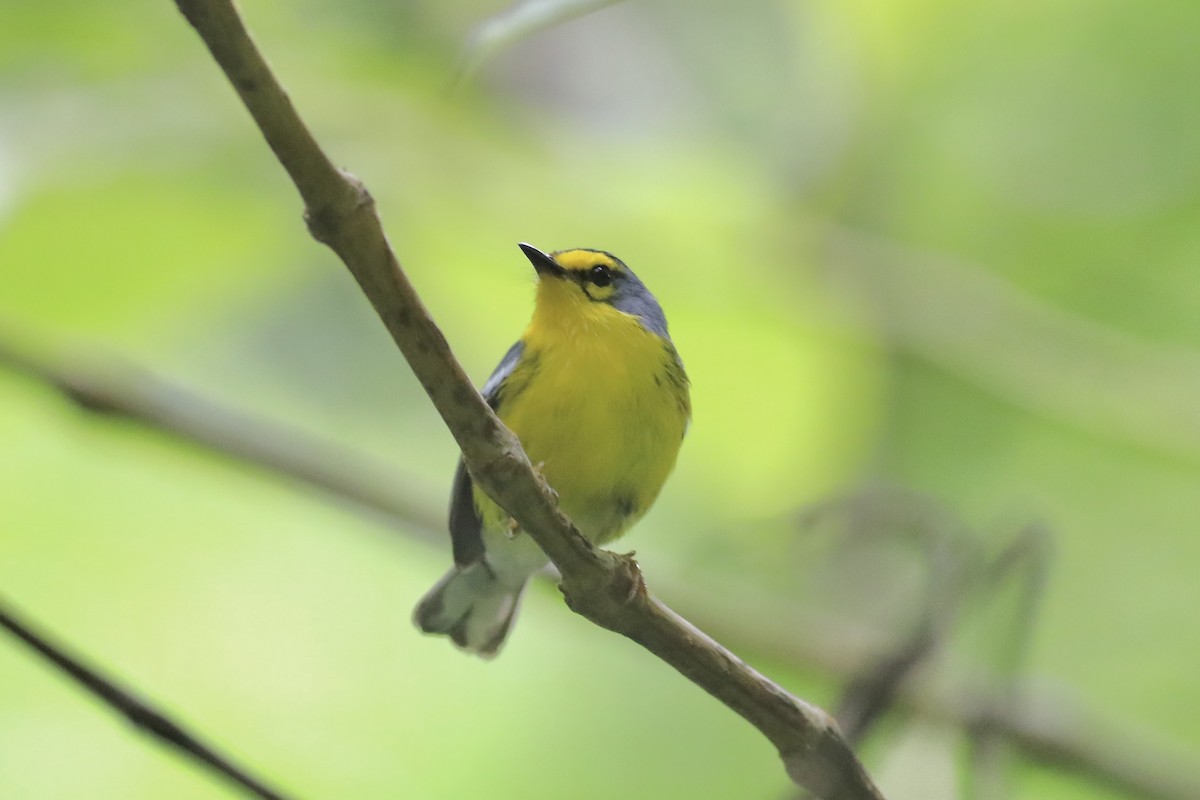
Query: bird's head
x: 581, y: 285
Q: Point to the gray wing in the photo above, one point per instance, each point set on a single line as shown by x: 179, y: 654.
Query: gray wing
x: 466, y: 529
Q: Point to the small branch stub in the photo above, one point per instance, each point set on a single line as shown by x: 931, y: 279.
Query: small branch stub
x: 328, y: 220
x: 606, y: 596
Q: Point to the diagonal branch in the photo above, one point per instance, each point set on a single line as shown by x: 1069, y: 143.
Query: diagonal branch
x: 604, y: 587
x: 143, y: 716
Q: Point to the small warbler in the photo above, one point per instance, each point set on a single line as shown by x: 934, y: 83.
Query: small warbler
x: 599, y: 399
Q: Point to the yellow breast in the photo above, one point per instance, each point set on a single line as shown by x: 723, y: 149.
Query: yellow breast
x: 600, y: 405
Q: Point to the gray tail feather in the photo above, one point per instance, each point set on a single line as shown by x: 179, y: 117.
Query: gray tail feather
x: 471, y: 607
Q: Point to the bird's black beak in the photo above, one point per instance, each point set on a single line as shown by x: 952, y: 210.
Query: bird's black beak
x: 543, y: 263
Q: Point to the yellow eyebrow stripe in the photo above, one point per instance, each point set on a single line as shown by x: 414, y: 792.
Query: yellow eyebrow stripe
x: 579, y: 260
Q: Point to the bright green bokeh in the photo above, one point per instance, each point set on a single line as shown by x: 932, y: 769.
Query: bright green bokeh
x: 720, y: 152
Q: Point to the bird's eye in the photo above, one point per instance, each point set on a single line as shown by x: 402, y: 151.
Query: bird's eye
x: 600, y: 275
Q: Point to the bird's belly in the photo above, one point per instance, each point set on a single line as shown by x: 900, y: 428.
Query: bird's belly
x: 605, y: 438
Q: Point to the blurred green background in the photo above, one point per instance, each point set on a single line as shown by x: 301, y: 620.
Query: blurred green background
x: 944, y: 248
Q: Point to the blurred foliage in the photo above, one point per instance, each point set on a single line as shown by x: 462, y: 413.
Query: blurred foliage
x: 720, y: 149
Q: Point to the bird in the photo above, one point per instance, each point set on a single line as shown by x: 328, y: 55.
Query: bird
x: 598, y: 396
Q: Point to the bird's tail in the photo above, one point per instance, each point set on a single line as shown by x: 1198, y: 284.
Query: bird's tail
x: 471, y: 606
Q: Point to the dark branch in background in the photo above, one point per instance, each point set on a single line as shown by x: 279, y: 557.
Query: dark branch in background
x: 1043, y: 726
x: 873, y: 689
x: 111, y: 388
x: 602, y: 586
x: 1047, y: 727
x: 1027, y: 559
x: 954, y: 573
x: 143, y: 717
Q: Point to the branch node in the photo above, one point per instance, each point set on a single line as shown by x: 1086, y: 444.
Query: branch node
x: 604, y: 595
x: 329, y: 220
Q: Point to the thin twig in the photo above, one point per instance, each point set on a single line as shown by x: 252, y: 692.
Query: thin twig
x: 604, y: 587
x: 1027, y: 559
x: 947, y: 563
x: 870, y: 693
x: 141, y: 714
